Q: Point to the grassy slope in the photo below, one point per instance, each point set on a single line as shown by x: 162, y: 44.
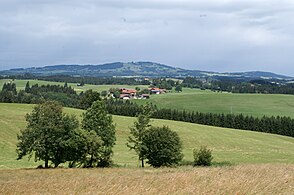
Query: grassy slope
x: 244, y: 179
x: 20, y: 84
x: 208, y: 101
x: 234, y: 146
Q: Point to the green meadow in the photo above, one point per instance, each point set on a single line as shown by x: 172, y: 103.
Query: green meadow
x: 229, y: 146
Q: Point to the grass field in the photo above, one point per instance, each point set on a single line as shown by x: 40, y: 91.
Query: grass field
x: 208, y: 101
x: 241, y: 179
x: 229, y: 146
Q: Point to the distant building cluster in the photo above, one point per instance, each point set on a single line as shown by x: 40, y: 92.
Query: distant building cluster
x: 135, y: 94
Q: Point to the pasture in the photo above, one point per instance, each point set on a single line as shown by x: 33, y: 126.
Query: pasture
x: 229, y: 146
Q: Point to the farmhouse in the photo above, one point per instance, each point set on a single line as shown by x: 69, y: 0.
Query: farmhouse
x: 155, y: 90
x: 144, y: 96
x: 127, y: 93
x: 125, y: 96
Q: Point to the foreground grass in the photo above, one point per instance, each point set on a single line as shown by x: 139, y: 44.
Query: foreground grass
x: 229, y: 146
x: 242, y: 179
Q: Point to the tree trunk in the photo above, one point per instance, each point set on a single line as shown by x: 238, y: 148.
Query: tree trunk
x: 142, y: 161
x: 91, y: 161
x: 46, y: 163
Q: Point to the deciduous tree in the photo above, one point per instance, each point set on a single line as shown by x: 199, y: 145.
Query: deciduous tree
x: 97, y: 119
x: 138, y: 130
x: 47, y: 134
x: 162, y: 147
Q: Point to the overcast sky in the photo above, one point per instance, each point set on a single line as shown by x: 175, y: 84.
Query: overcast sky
x: 217, y: 35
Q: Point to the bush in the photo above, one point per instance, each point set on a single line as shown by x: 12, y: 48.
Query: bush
x: 162, y: 147
x: 202, y: 156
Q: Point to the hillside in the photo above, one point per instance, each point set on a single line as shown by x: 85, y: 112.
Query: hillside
x: 140, y: 69
x: 229, y: 146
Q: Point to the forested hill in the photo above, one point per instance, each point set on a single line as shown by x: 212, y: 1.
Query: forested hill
x: 141, y: 69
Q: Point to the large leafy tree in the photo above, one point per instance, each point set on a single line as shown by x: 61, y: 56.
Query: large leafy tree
x: 137, y: 132
x: 97, y: 119
x: 162, y: 147
x: 48, y: 134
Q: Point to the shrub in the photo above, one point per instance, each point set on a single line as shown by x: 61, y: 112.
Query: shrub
x: 202, y: 156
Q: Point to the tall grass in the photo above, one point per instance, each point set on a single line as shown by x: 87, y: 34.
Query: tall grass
x: 242, y: 179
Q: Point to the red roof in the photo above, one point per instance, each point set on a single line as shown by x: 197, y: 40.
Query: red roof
x: 128, y: 91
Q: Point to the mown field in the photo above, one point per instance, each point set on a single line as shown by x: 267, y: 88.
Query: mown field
x: 256, y: 105
x: 229, y: 146
x: 241, y: 179
x: 207, y: 101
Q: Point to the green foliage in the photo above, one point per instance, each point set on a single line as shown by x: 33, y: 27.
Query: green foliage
x: 115, y: 92
x: 97, y: 119
x: 104, y: 93
x: 144, y: 91
x: 137, y: 132
x: 8, y: 93
x: 27, y: 87
x: 178, y: 88
x: 47, y: 134
x: 162, y: 147
x: 85, y: 148
x: 202, y: 156
x: 88, y: 98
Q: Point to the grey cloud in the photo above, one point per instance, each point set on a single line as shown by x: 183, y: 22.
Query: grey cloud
x: 234, y: 35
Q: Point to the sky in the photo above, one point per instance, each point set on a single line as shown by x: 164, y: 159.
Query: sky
x: 212, y: 35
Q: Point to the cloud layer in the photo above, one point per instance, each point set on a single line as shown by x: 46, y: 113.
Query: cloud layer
x: 219, y: 35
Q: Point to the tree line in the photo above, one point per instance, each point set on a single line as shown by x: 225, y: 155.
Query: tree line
x: 276, y: 125
x: 82, y: 80
x: 35, y: 94
x: 234, y: 86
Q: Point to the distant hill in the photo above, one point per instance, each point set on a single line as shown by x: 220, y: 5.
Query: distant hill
x: 132, y: 69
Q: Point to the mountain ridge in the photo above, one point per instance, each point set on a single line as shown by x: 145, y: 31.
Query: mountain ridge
x: 134, y: 69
